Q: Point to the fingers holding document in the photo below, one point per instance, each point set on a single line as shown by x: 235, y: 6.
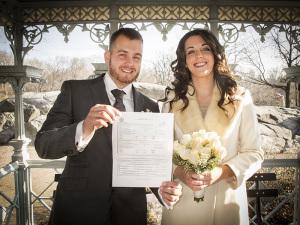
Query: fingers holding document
x: 170, y: 192
x: 99, y: 116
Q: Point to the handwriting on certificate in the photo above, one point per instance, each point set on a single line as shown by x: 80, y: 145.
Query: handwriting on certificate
x: 142, y: 149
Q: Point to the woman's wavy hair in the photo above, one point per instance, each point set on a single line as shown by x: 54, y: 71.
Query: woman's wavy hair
x: 222, y: 74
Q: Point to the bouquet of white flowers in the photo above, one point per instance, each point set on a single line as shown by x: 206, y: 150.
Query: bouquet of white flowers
x: 198, y: 152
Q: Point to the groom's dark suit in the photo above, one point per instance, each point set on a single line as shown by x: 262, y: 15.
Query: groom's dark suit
x: 84, y: 194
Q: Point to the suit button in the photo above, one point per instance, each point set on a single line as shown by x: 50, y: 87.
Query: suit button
x: 68, y: 152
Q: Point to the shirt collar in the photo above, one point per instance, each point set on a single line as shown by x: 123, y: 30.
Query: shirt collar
x: 110, y: 85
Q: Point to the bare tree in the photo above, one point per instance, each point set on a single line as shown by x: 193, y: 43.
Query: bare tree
x: 36, y: 87
x: 6, y: 58
x: 54, y: 72
x: 254, y: 58
x: 285, y: 45
x: 289, y: 50
x: 162, y: 68
x: 287, y: 42
x: 77, y: 68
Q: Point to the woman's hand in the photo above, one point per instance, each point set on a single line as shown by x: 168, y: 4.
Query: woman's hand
x: 188, y: 178
x: 199, y: 181
x: 170, y: 192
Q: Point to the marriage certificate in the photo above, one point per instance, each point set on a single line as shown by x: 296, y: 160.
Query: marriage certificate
x: 142, y: 145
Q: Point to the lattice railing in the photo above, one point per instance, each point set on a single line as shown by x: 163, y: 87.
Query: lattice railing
x: 9, y: 204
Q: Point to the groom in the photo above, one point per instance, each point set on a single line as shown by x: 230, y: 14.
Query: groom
x: 79, y: 126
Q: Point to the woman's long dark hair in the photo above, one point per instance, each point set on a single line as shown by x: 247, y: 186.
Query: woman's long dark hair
x: 222, y: 75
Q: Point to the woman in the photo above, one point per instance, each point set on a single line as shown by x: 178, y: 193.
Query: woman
x: 206, y: 96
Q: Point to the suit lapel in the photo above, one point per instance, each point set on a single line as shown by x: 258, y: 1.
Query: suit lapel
x: 98, y: 90
x: 99, y: 96
x: 138, y: 100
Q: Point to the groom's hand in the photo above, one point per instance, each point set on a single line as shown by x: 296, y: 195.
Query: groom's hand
x: 99, y: 116
x: 170, y: 192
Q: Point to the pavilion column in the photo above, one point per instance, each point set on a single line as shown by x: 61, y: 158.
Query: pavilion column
x: 17, y: 32
x: 17, y: 77
x: 20, y: 142
x: 214, y: 20
x: 292, y: 91
x: 114, y: 22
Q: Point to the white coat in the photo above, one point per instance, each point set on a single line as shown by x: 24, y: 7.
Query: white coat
x: 225, y: 202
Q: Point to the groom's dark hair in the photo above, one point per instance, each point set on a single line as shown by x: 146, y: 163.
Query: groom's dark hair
x: 130, y: 33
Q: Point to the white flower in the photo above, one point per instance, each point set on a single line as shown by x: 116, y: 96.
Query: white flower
x: 197, y: 149
x: 206, y: 150
x: 185, y: 139
x: 184, y: 153
x: 196, y: 143
x: 193, y: 157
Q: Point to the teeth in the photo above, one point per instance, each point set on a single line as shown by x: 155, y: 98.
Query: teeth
x: 200, y: 64
x: 126, y: 71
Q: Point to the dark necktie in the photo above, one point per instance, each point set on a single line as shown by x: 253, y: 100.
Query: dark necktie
x: 118, y: 94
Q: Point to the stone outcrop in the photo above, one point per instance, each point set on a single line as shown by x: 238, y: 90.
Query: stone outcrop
x: 7, y: 120
x: 280, y: 127
x: 154, y: 91
x: 6, y: 135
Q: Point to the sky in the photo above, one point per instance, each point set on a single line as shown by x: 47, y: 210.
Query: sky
x: 81, y: 45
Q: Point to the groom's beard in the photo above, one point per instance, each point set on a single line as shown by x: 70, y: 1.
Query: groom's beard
x: 121, y: 76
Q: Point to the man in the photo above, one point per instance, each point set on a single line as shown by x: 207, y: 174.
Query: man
x: 79, y: 126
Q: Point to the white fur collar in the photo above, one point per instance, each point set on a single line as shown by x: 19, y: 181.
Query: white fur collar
x: 216, y: 119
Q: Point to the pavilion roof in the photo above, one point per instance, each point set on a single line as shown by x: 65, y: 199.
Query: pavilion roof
x: 85, y: 11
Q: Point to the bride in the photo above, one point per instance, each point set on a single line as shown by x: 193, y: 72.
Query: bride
x: 204, y: 95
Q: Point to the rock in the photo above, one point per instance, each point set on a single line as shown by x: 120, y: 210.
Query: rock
x: 284, y: 117
x: 42, y: 105
x: 30, y: 112
x: 272, y: 144
x: 50, y: 96
x: 6, y: 135
x: 7, y: 120
x: 292, y: 124
x: 292, y: 146
x: 154, y: 91
x: 279, y: 128
x: 7, y: 105
x: 2, y: 121
x: 42, y: 101
x: 275, y: 131
x: 34, y: 126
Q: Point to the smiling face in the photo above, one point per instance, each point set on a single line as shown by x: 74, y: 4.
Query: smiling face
x: 124, y: 60
x: 199, y: 57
